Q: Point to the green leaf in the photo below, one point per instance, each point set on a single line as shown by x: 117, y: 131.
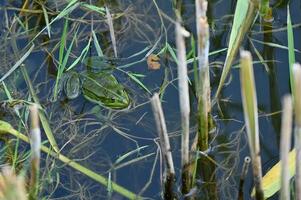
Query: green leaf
x: 291, y: 53
x: 244, y: 16
x: 135, y: 79
x: 100, y: 10
x: 123, y: 157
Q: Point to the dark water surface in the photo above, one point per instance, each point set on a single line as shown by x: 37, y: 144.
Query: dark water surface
x: 98, y: 140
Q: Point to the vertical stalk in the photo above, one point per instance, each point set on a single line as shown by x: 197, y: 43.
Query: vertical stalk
x: 205, y: 169
x: 35, y: 144
x: 165, y: 146
x: 203, y: 85
x: 184, y: 103
x: 286, y: 132
x: 249, y: 100
x: 297, y: 107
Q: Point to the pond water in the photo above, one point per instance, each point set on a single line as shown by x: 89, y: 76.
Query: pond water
x: 96, y: 136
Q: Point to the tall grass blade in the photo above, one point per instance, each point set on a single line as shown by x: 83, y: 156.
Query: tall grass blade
x: 244, y: 16
x: 291, y: 53
x: 42, y: 116
x: 249, y: 100
x: 63, y: 59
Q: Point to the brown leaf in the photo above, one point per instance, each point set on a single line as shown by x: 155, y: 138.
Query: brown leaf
x: 153, y: 62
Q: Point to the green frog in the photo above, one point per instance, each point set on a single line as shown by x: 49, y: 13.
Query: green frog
x: 100, y: 87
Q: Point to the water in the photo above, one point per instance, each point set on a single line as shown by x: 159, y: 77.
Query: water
x: 98, y: 140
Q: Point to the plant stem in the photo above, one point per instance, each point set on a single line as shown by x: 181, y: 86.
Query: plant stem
x: 286, y: 132
x: 184, y: 104
x: 165, y: 146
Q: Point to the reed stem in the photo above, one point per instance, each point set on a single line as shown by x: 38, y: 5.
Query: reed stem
x: 35, y: 143
x: 165, y: 146
x: 184, y: 104
x: 297, y: 107
x: 203, y: 85
x: 286, y: 132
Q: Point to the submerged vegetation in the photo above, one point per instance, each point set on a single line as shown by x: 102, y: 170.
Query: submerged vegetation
x: 141, y: 100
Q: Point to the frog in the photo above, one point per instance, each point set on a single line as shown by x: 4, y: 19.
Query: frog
x: 101, y: 88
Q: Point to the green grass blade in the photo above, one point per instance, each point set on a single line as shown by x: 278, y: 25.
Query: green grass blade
x: 42, y: 116
x: 133, y: 161
x: 244, y: 16
x: 99, y: 10
x: 46, y: 20
x: 66, y: 11
x: 123, y: 157
x: 260, y: 57
x: 96, y: 44
x: 172, y: 53
x: 135, y: 79
x: 271, y: 44
x: 291, y: 53
x: 81, y: 57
